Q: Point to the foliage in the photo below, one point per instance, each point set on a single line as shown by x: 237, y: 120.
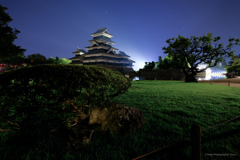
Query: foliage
x: 191, y: 51
x: 9, y: 51
x: 58, y: 61
x: 37, y: 59
x: 149, y: 65
x: 17, y: 60
x: 38, y: 100
x: 172, y: 98
x: 234, y: 64
x: 168, y: 63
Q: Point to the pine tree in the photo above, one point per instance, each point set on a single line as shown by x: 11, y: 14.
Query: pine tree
x: 9, y: 52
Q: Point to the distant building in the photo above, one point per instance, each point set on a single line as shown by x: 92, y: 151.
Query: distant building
x: 101, y: 53
x: 202, y: 66
x: 219, y: 66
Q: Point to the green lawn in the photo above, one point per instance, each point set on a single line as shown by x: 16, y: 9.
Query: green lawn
x: 170, y: 108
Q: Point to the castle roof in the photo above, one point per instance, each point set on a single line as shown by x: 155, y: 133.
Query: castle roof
x: 102, y: 39
x: 100, y: 46
x: 102, y: 31
x: 79, y: 51
x: 123, y: 54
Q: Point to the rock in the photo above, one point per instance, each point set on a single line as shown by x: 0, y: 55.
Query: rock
x: 116, y: 118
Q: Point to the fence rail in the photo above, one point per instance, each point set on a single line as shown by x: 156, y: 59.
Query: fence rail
x: 195, y: 141
x: 222, y: 82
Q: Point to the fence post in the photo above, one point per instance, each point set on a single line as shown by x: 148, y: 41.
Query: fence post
x: 211, y: 81
x: 228, y: 83
x: 196, y: 142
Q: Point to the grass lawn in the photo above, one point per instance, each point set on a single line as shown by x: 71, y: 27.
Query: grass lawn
x: 170, y: 108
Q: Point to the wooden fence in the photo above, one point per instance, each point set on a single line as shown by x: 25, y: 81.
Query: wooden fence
x: 195, y: 141
x: 234, y: 83
x: 220, y: 82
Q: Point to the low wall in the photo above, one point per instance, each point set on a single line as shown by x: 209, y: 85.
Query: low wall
x: 162, y: 74
x: 147, y: 74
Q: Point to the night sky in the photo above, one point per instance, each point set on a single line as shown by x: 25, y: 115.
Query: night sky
x: 140, y: 28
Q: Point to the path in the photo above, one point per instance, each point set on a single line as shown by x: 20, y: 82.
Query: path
x: 234, y: 82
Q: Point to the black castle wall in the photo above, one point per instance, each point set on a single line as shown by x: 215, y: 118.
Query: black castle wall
x: 161, y: 74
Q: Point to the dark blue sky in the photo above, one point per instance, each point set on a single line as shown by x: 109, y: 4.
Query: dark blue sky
x: 140, y: 28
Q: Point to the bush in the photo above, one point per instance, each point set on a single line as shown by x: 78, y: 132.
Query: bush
x: 35, y: 113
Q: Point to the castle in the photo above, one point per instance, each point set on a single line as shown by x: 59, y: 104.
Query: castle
x: 101, y: 53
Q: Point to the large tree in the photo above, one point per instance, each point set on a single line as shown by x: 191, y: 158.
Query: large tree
x: 9, y: 52
x: 191, y: 51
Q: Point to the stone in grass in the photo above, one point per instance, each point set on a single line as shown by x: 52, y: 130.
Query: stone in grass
x: 116, y: 118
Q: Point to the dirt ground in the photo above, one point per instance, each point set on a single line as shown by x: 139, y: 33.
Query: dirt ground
x: 234, y: 82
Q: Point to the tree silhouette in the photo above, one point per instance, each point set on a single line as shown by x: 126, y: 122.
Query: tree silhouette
x: 190, y: 51
x: 168, y: 63
x: 149, y: 65
x: 234, y: 64
x: 35, y: 59
x: 9, y: 52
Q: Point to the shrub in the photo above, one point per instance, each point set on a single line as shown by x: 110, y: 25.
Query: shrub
x: 101, y: 85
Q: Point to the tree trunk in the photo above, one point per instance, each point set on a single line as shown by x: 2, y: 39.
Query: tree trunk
x: 190, y: 78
